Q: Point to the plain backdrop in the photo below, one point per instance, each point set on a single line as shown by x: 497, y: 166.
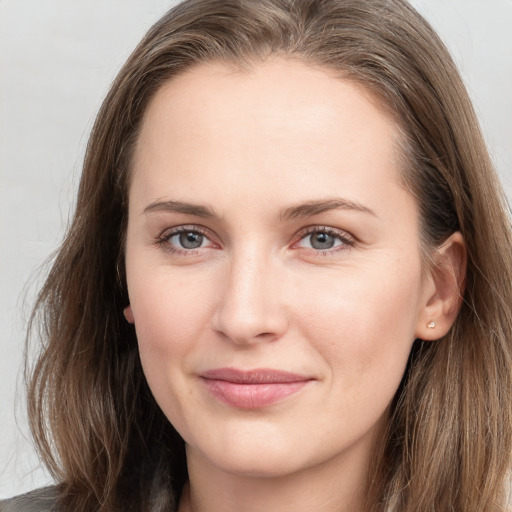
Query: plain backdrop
x: 57, y: 59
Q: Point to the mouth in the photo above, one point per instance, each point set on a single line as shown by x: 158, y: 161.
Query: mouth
x: 252, y: 389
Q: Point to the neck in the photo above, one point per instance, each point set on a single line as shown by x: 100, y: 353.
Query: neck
x: 334, y: 486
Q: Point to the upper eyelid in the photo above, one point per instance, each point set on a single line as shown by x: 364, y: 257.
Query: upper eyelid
x: 169, y: 231
x: 305, y: 230
x: 316, y: 228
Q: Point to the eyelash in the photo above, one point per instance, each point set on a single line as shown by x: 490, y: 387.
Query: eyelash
x: 163, y: 240
x: 347, y: 241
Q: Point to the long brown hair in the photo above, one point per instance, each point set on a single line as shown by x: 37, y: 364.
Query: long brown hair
x: 449, y: 439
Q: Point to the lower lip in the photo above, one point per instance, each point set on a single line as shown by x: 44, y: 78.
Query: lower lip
x: 252, y: 396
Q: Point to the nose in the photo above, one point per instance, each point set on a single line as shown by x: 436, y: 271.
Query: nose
x: 251, y: 305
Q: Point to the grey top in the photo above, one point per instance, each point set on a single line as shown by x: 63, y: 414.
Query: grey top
x: 40, y: 500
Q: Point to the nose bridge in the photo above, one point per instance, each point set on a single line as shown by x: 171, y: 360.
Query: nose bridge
x: 250, y: 306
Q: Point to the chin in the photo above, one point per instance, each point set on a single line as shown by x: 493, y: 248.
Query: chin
x: 256, y: 458
x: 260, y: 466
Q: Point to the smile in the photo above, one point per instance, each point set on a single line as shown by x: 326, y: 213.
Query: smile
x: 252, y: 389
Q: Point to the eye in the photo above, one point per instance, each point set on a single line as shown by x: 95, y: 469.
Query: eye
x: 184, y: 239
x: 322, y: 239
x: 188, y: 240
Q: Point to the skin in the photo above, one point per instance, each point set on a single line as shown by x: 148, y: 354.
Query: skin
x: 249, y: 147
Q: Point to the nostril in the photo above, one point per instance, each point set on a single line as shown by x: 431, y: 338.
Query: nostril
x: 257, y: 328
x: 266, y: 335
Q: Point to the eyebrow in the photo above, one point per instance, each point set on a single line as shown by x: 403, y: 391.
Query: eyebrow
x: 180, y: 207
x: 311, y: 208
x: 307, y: 209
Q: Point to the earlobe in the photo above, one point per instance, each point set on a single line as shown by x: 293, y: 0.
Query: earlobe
x: 128, y: 314
x: 444, y: 290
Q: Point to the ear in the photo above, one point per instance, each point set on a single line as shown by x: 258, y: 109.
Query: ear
x: 128, y: 314
x: 444, y: 287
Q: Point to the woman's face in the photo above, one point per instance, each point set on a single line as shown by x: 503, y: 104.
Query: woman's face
x: 273, y: 265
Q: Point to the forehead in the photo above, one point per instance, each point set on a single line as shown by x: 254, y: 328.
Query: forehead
x: 282, y: 122
x: 226, y: 93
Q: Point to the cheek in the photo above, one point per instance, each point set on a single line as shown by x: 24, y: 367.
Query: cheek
x: 171, y: 313
x: 364, y: 323
x: 364, y: 332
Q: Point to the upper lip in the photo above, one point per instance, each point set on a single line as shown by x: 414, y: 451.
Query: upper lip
x: 255, y: 376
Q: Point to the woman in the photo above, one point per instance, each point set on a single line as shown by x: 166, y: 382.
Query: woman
x: 287, y: 282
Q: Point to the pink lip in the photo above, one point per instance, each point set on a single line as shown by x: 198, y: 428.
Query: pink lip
x: 252, y: 389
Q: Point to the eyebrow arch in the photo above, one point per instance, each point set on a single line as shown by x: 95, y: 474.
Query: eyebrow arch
x: 180, y: 207
x: 311, y: 208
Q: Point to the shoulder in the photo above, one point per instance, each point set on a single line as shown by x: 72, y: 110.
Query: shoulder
x: 40, y: 500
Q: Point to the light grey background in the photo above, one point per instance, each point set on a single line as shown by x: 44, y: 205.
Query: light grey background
x: 57, y: 59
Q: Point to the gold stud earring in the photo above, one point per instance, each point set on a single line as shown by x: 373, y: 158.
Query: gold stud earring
x: 431, y: 325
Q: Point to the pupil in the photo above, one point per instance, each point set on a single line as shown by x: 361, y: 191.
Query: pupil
x: 322, y: 241
x: 191, y: 240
